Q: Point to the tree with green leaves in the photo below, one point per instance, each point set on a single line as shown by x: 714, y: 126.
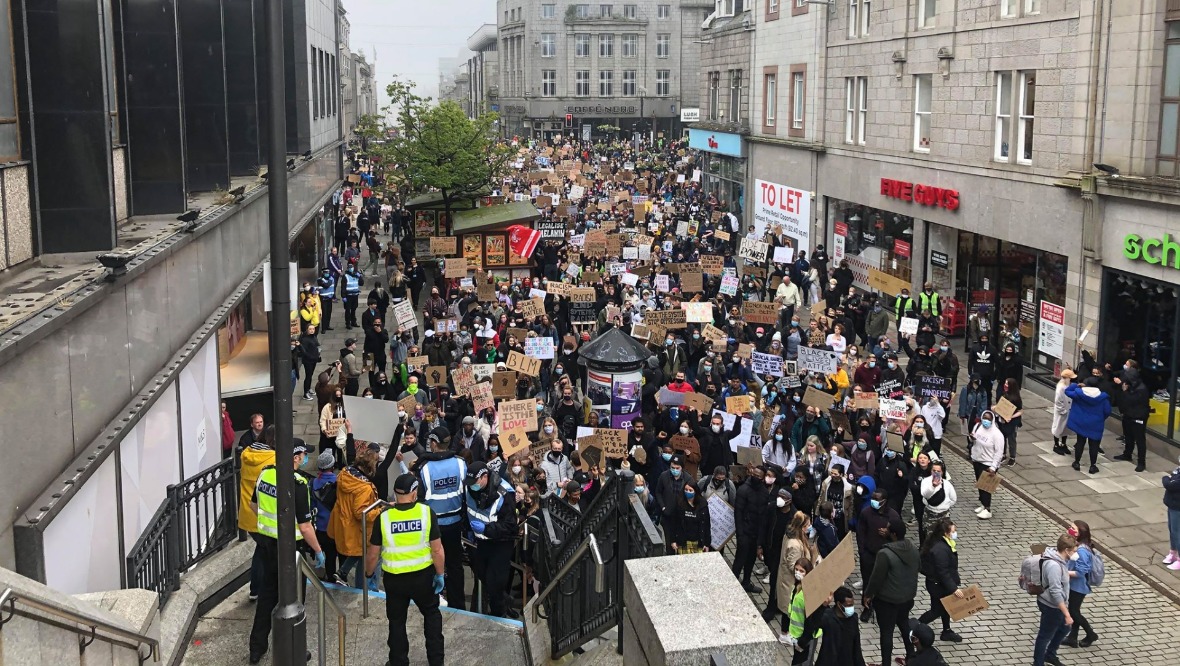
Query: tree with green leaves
x: 438, y: 148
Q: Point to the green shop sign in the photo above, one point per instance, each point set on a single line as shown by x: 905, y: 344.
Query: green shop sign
x: 1163, y: 251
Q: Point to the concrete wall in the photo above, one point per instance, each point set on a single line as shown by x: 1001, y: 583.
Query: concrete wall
x: 68, y: 377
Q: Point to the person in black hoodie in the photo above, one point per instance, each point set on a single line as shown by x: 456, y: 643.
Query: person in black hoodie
x: 714, y: 439
x: 981, y: 360
x: 802, y: 489
x: 892, y: 587
x: 940, y: 564
x: 689, y: 523
x: 925, y: 654
x: 1009, y: 365
x: 841, y: 632
x: 893, y: 476
x: 779, y: 513
x: 1134, y: 403
x: 750, y: 509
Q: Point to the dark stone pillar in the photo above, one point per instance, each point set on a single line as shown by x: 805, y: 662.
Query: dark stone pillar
x: 241, y: 87
x: 205, y: 117
x: 155, y: 131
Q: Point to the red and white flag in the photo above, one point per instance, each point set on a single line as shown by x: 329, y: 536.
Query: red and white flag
x: 523, y: 240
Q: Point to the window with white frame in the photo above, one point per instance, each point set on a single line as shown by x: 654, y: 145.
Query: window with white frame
x: 714, y: 104
x: 723, y: 7
x: 770, y: 104
x: 735, y: 94
x: 548, y: 11
x: 630, y: 11
x: 629, y: 82
x: 772, y: 6
x: 1001, y: 150
x: 606, y: 46
x: 606, y: 83
x: 604, y: 11
x: 663, y: 12
x: 1026, y: 106
x: 798, y: 89
x: 630, y: 46
x: 858, y: 17
x: 853, y: 127
x: 862, y: 86
x: 549, y: 83
x: 663, y: 45
x: 922, y: 91
x: 663, y: 82
x: 582, y: 83
x: 1017, y: 8
x: 926, y: 11
x: 581, y: 45
x: 548, y: 44
x: 582, y: 11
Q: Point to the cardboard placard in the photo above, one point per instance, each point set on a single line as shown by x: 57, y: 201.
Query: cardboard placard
x: 518, y: 415
x: 749, y: 455
x: 436, y: 375
x: 698, y: 401
x: 485, y: 291
x: 521, y: 363
x: 463, y: 378
x: 988, y: 482
x: 670, y: 319
x: 403, y: 312
x: 722, y: 235
x: 519, y: 333
x: 692, y: 280
x: 712, y: 263
x: 481, y: 395
x: 759, y: 312
x: 828, y: 575
x: 444, y: 246
x: 840, y: 420
x: 865, y: 400
x: 334, y: 426
x: 971, y: 603
x: 533, y: 307
x: 698, y: 313
x: 590, y: 454
x: 745, y: 350
x: 417, y: 362
x: 753, y: 250
x: 1004, y: 409
x: 513, y: 442
x: 504, y: 384
x: 737, y: 404
x: 614, y: 442
x: 455, y: 268
x: 933, y: 385
x: 821, y: 400
x: 408, y: 404
x: 895, y: 442
x: 719, y: 338
x: 639, y: 332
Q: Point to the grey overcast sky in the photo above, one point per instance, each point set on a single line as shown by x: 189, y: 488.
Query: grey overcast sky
x: 411, y: 35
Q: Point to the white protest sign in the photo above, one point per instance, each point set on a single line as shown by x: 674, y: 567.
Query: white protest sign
x: 403, y: 313
x: 541, y: 347
x: 908, y: 326
x: 721, y: 523
x: 629, y: 279
x: 818, y: 360
x: 729, y: 286
x: 372, y: 420
x: 891, y: 409
x: 753, y: 250
x: 662, y: 283
x: 784, y: 255
x: 743, y: 438
x: 766, y: 364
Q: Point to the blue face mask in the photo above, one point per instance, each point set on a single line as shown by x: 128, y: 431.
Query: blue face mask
x: 675, y: 473
x: 889, y: 453
x: 668, y: 343
x: 862, y: 445
x: 666, y: 456
x: 876, y: 504
x: 707, y: 369
x: 849, y: 611
x: 558, y: 371
x: 674, y: 413
x: 475, y: 487
x: 689, y: 494
x: 811, y: 532
x: 696, y: 336
x: 872, y: 364
x: 778, y: 437
x: 639, y: 489
x: 986, y: 423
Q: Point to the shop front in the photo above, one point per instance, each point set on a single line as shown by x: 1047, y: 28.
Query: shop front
x: 723, y: 166
x: 546, y: 119
x: 979, y: 243
x: 483, y: 238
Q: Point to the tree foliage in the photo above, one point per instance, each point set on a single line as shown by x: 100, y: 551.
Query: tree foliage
x: 438, y: 148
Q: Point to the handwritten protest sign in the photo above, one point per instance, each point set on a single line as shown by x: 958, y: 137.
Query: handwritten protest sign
x: 692, y: 279
x: 971, y: 603
x: 481, y: 395
x: 712, y: 263
x: 721, y: 522
x: 933, y: 386
x: 521, y: 363
x: 759, y: 312
x: 518, y: 415
x: 816, y: 398
x: 670, y: 319
x: 403, y: 313
x: 766, y: 364
x: 729, y: 285
x: 698, y: 313
x: 908, y: 326
x: 1004, y: 409
x: 686, y: 443
x: 818, y: 360
x: 533, y: 307
x: 891, y: 409
x: 614, y: 442
x: 442, y: 246
x: 717, y: 336
x: 464, y: 379
x: 737, y: 404
x: 540, y: 347
x: 455, y: 268
x: 753, y: 250
x: 988, y: 482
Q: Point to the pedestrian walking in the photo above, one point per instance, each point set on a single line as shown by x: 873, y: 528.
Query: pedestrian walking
x: 940, y: 564
x: 1079, y: 585
x: 841, y: 632
x: 750, y: 511
x: 410, y: 549
x: 892, y: 588
x: 1171, y: 483
x: 1052, y: 601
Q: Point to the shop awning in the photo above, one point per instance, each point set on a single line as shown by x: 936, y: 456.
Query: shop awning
x: 435, y: 200
x: 519, y: 212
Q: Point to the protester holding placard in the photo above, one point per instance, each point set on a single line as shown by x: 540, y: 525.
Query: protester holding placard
x: 1010, y: 391
x: 987, y: 454
x: 940, y: 565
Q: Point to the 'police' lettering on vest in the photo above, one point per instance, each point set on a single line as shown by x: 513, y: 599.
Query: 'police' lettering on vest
x: 405, y: 526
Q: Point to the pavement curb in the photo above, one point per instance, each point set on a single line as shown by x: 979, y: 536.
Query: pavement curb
x: 1108, y: 552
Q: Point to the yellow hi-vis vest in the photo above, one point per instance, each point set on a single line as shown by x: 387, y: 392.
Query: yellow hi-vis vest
x: 405, y: 539
x: 268, y: 503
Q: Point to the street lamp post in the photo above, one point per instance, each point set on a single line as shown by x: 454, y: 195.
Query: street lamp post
x: 290, y: 623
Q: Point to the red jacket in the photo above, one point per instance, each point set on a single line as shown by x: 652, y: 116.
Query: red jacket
x: 227, y: 432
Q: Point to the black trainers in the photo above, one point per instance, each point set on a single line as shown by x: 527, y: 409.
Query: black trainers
x: 1053, y: 661
x: 1093, y: 469
x: 752, y: 587
x: 1077, y: 465
x: 1140, y: 467
x: 1088, y: 641
x: 950, y: 637
x: 1123, y: 457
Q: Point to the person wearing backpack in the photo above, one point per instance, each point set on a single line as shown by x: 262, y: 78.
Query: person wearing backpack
x: 1083, y: 575
x: 323, y: 498
x: 1047, y: 576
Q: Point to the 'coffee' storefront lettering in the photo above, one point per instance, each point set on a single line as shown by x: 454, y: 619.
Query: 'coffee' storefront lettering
x: 927, y: 195
x: 599, y: 109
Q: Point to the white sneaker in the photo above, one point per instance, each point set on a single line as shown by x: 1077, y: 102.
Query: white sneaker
x: 856, y: 585
x: 985, y: 514
x: 978, y: 510
x: 785, y: 639
x: 765, y: 579
x: 1170, y: 558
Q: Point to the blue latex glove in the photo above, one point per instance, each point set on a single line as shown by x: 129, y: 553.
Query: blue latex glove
x: 373, y: 582
x: 319, y: 560
x: 439, y: 583
x: 477, y: 526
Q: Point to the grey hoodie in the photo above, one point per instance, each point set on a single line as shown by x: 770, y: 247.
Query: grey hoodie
x: 1055, y: 579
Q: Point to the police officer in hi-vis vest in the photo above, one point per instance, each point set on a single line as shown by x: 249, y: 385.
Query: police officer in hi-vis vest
x: 442, y: 472
x: 408, y: 543
x: 491, y: 514
x: 266, y: 504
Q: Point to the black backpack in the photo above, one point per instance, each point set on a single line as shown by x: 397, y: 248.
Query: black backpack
x: 326, y: 494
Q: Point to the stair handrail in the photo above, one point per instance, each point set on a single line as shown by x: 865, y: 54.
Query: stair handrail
x: 589, y: 545
x: 117, y: 635
x: 321, y: 617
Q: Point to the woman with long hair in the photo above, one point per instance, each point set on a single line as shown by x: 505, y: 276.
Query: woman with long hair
x: 1079, y: 585
x: 940, y: 563
x: 798, y: 543
x: 1061, y: 404
x: 1010, y: 390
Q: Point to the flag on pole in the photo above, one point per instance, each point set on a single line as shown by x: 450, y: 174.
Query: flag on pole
x: 523, y: 240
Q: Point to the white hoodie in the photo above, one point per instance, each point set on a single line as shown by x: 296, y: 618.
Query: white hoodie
x: 928, y: 489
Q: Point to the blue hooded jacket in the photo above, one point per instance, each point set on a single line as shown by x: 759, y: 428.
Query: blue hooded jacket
x: 1087, y: 414
x: 861, y: 501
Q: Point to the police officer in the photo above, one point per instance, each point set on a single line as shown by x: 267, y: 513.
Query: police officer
x: 353, y: 281
x: 929, y: 300
x: 411, y: 555
x: 442, y: 476
x: 327, y: 284
x: 491, y: 515
x: 266, y: 504
x: 904, y: 306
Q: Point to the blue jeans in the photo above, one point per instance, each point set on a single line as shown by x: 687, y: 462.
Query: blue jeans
x: 346, y: 567
x: 1050, y: 635
x: 1174, y: 529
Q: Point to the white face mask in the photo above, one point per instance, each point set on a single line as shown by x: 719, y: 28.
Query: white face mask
x: 716, y: 428
x: 548, y: 430
x: 799, y: 575
x: 516, y: 469
x: 683, y: 430
x: 1074, y: 556
x: 780, y: 502
x: 401, y: 415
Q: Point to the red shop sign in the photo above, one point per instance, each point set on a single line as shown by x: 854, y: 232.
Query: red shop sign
x: 842, y: 229
x: 926, y: 195
x: 901, y: 248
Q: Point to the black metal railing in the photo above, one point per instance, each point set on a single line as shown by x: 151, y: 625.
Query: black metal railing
x: 587, y: 599
x: 197, y: 518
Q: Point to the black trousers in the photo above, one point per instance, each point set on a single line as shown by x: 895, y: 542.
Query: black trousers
x: 937, y: 592
x: 328, y: 545
x: 326, y: 314
x: 985, y: 498
x: 350, y: 303
x: 889, y: 616
x: 400, y: 590
x: 492, y: 561
x: 1081, y: 446
x: 352, y: 385
x: 772, y: 596
x: 744, y: 558
x: 268, y: 593
x: 308, y: 374
x: 1079, y: 620
x: 452, y: 543
x: 1135, y: 434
